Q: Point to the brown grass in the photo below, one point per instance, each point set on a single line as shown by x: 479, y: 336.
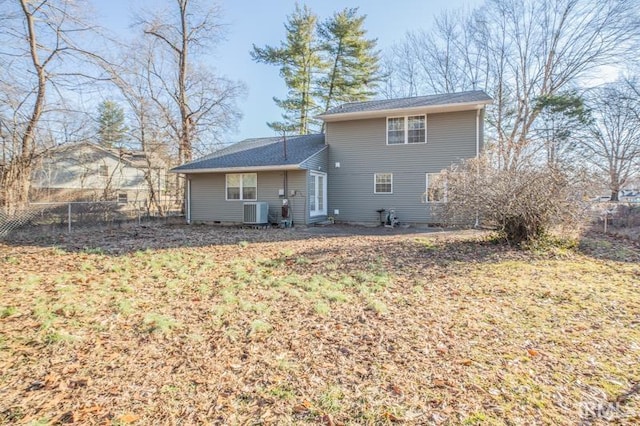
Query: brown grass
x: 420, y: 329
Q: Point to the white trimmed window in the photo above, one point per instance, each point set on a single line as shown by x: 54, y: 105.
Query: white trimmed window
x: 103, y: 170
x: 383, y: 183
x: 407, y: 130
x: 123, y: 198
x: 242, y: 186
x: 436, y: 188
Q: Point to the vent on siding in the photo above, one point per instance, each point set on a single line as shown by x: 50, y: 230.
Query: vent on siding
x: 256, y: 212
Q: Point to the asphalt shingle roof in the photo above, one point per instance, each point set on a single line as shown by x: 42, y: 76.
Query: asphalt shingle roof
x: 259, y: 152
x: 414, y: 102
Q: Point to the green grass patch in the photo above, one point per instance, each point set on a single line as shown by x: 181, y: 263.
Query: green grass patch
x: 157, y: 323
x: 7, y: 311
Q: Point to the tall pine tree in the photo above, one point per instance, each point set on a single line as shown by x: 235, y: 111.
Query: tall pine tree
x: 299, y: 60
x: 353, y: 61
x: 111, y: 126
x: 323, y: 65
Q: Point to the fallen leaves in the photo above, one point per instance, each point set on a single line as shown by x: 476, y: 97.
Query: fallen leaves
x: 84, y: 414
x: 466, y: 362
x: 533, y: 352
x: 128, y: 418
x: 395, y: 389
x: 472, y: 331
x: 439, y: 383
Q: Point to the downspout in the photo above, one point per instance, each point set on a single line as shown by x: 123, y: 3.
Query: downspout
x: 285, y: 178
x: 286, y: 184
x: 188, y: 200
x: 478, y: 133
x: 477, y: 224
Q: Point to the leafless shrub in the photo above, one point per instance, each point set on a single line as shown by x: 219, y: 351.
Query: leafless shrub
x: 626, y: 216
x: 522, y: 204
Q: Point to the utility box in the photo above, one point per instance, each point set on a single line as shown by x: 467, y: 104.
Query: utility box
x: 256, y: 213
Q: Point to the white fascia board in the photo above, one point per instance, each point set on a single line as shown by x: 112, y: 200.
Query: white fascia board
x: 240, y: 169
x: 429, y: 109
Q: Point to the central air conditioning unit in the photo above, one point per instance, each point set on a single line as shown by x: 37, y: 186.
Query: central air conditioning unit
x: 256, y: 212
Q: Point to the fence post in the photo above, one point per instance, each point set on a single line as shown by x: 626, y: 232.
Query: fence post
x: 69, y: 216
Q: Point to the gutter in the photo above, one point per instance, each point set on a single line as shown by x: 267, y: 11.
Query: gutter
x: 459, y: 106
x: 238, y: 169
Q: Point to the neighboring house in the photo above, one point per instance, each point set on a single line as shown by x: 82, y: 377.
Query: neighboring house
x: 88, y: 172
x: 374, y: 155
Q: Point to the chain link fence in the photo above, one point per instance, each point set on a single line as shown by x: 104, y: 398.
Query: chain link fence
x: 619, y: 218
x: 68, y: 217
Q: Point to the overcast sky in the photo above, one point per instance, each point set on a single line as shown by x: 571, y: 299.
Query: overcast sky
x: 262, y: 23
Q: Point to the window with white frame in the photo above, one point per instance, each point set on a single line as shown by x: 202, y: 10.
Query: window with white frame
x: 407, y: 130
x: 395, y: 130
x: 383, y: 183
x: 103, y: 170
x: 123, y: 198
x: 436, y: 188
x: 242, y: 186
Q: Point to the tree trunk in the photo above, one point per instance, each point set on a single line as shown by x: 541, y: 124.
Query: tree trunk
x: 16, y: 184
x: 18, y: 173
x: 614, y: 195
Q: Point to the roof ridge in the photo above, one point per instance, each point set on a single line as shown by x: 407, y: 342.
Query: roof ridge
x: 431, y: 100
x: 409, y: 97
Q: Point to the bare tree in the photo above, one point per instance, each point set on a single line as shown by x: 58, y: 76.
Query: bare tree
x: 193, y: 101
x: 520, y: 51
x: 134, y: 81
x: 401, y: 72
x: 41, y: 36
x: 614, y: 145
x: 195, y: 106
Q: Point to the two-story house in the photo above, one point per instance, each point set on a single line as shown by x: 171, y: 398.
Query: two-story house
x: 374, y: 156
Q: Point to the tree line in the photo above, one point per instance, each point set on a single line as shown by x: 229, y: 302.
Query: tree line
x: 541, y: 61
x: 56, y: 57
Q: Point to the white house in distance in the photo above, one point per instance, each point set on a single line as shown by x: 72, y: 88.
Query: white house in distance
x: 89, y: 172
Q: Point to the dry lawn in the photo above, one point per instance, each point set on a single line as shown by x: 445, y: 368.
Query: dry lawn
x: 282, y: 327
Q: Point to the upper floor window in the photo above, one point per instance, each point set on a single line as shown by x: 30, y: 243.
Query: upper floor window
x: 404, y: 130
x: 103, y: 170
x: 242, y: 186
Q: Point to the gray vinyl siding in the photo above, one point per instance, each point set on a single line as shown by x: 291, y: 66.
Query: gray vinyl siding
x: 319, y: 163
x: 360, y: 147
x: 208, y: 203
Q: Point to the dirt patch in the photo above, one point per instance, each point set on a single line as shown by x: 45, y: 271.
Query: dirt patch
x: 132, y: 237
